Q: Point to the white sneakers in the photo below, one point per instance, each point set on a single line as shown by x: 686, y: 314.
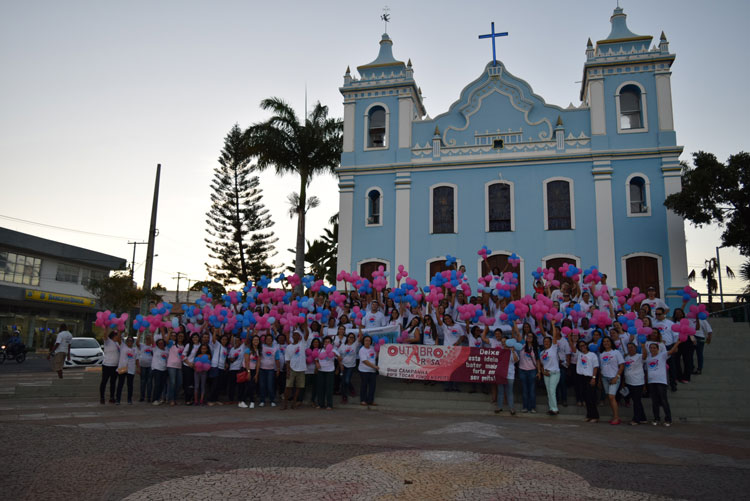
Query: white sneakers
x: 252, y: 405
x: 242, y: 405
x: 262, y: 404
x: 156, y: 402
x: 273, y: 404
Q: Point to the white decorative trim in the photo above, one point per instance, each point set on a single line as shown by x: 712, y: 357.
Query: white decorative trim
x: 572, y: 200
x: 367, y: 205
x: 664, y: 101
x: 596, y: 107
x: 432, y: 260
x: 349, y: 119
x: 646, y: 193
x: 455, y: 206
x: 678, y: 274
x: 384, y: 262
x: 487, y: 204
x: 402, y: 233
x: 405, y: 114
x: 346, y: 210
x: 521, y: 268
x: 624, y: 269
x: 644, y: 109
x: 386, y: 141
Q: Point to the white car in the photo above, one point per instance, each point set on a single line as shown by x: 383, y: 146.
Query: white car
x: 84, y: 352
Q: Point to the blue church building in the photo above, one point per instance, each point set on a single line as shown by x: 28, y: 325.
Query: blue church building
x: 502, y: 168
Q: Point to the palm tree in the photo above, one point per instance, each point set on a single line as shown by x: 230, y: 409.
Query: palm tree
x: 708, y: 273
x: 305, y: 149
x: 293, y: 201
x: 745, y: 277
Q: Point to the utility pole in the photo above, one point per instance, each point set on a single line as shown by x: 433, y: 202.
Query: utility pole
x: 151, y: 238
x: 188, y: 292
x: 721, y: 289
x: 178, y: 277
x: 132, y: 265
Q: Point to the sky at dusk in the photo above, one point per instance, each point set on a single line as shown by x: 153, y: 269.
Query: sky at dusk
x: 95, y: 93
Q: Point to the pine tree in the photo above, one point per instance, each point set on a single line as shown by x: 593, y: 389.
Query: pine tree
x: 239, y: 240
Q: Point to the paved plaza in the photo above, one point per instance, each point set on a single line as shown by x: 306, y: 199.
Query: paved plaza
x: 75, y: 448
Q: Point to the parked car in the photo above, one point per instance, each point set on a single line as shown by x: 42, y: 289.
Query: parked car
x: 84, y: 352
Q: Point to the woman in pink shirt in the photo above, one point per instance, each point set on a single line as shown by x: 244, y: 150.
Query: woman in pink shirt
x: 529, y: 369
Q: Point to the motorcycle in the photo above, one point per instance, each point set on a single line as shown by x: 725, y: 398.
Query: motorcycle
x: 16, y: 352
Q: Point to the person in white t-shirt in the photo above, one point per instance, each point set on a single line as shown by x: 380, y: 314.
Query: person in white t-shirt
x: 126, y: 369
x: 611, y: 365
x: 324, y: 377
x: 348, y: 351
x: 368, y: 370
x: 110, y: 361
x: 61, y: 350
x: 550, y: 365
x: 503, y: 390
x: 654, y: 302
x: 375, y: 318
x: 635, y: 380
x: 453, y: 335
x: 296, y: 363
x: 656, y: 368
x: 703, y: 332
x: 587, y: 368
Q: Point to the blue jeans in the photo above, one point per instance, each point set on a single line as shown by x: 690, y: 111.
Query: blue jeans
x: 159, y: 378
x: 346, y: 381
x: 699, y: 351
x: 146, y: 384
x: 528, y: 385
x: 505, y: 390
x: 267, y: 380
x: 175, y: 383
x: 367, y: 387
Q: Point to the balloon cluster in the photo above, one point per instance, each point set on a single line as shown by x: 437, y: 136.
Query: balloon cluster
x: 629, y: 298
x: 449, y: 260
x: 514, y: 260
x: 570, y: 271
x: 107, y: 319
x: 684, y: 329
x: 202, y: 363
x: 546, y: 274
x: 402, y: 273
x: 688, y: 293
x: 698, y: 312
x: 484, y: 252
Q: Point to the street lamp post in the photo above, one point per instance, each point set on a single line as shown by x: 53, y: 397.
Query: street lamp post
x: 721, y: 288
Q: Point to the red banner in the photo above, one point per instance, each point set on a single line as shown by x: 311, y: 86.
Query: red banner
x: 444, y: 363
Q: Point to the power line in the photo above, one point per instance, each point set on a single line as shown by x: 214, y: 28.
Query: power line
x: 62, y: 228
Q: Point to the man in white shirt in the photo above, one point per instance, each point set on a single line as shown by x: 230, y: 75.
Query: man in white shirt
x: 61, y: 350
x: 375, y: 318
x: 669, y: 338
x: 654, y: 302
x: 703, y: 333
x: 296, y: 363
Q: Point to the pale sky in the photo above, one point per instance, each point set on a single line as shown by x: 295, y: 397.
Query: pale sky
x: 95, y: 93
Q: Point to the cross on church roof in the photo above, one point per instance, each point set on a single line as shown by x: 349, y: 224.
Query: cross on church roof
x: 492, y: 36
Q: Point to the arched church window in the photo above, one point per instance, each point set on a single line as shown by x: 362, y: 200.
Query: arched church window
x: 374, y: 202
x: 376, y: 127
x: 630, y: 108
x: 637, y: 195
x: 558, y: 205
x: 443, y: 209
x: 499, y: 207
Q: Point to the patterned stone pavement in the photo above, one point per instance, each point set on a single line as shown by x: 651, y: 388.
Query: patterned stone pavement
x: 74, y: 448
x: 423, y: 475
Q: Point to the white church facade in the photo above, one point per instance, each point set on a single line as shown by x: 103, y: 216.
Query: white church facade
x: 503, y: 168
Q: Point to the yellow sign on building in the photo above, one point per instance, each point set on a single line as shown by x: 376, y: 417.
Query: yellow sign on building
x: 54, y: 297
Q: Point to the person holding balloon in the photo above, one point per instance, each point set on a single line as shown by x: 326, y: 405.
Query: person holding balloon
x: 656, y: 368
x: 188, y: 373
x: 686, y: 350
x: 251, y: 356
x: 159, y: 370
x: 269, y: 370
x: 126, y: 369
x: 703, y: 332
x: 174, y: 365
x: 587, y: 368
x: 145, y: 355
x: 325, y: 366
x: 295, y: 361
x: 201, y: 366
x: 368, y: 369
x: 611, y: 366
x: 635, y: 379
x: 110, y: 361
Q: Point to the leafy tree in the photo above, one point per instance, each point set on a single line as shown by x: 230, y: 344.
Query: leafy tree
x: 289, y: 146
x: 237, y: 220
x: 708, y: 273
x: 118, y: 292
x: 745, y: 277
x: 158, y: 287
x: 713, y: 192
x: 215, y: 288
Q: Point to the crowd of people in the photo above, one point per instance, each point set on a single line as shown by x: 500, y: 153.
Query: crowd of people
x: 585, y: 343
